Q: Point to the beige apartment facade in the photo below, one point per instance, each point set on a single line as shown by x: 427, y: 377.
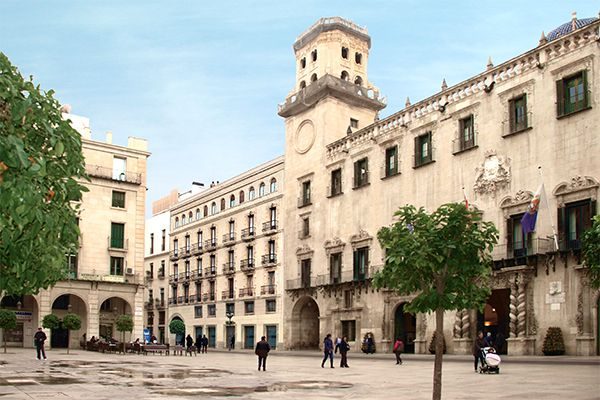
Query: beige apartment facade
x: 106, y: 276
x: 225, y: 272
x: 347, y: 172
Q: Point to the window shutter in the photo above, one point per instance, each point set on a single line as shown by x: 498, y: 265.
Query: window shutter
x: 366, y: 267
x: 560, y: 98
x: 525, y: 115
x: 587, y: 214
x: 586, y: 97
x: 430, y: 144
x: 561, y: 215
x: 509, y: 237
x: 512, y: 116
x: 417, y: 152
x: 355, y: 266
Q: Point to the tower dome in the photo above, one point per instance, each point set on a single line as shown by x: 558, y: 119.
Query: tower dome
x: 569, y: 27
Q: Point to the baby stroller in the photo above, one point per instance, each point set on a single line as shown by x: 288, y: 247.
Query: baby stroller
x: 490, y: 361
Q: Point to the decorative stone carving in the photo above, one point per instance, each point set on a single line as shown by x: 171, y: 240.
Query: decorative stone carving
x: 579, y: 317
x: 513, y: 310
x: 457, y: 325
x: 531, y: 320
x: 334, y: 245
x: 493, y: 174
x: 466, y: 324
x: 578, y: 188
x: 521, y: 310
x: 303, y: 251
x: 422, y: 326
x: 361, y: 239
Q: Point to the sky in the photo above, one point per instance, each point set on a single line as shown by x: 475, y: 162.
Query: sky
x: 201, y: 80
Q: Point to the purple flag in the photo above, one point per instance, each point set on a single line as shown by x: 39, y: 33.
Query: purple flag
x: 530, y: 216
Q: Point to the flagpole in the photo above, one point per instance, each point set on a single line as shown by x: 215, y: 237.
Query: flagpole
x: 545, y: 200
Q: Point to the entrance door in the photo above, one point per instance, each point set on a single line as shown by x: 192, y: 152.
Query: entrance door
x: 272, y: 335
x: 496, y: 318
x: 230, y: 333
x: 249, y: 337
x: 405, y: 327
x: 212, y: 336
x: 198, y: 331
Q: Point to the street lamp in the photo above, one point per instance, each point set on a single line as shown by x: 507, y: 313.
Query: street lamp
x: 229, y: 315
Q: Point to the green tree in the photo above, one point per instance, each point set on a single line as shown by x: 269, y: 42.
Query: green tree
x: 8, y: 320
x: 591, y: 252
x: 124, y: 324
x: 40, y: 163
x: 177, y: 327
x: 51, y: 321
x: 71, y: 322
x: 443, y: 259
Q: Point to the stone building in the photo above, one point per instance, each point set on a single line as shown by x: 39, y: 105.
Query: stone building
x: 106, y: 275
x: 225, y: 273
x: 347, y: 171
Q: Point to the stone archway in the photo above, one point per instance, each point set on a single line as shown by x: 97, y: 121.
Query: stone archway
x: 110, y: 309
x: 63, y: 304
x: 27, y: 311
x: 305, y: 324
x: 179, y: 338
x: 405, y: 327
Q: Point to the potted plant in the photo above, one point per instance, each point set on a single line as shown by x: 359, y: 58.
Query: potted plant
x: 554, y: 344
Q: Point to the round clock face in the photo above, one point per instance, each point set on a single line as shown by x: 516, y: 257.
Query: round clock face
x: 305, y: 137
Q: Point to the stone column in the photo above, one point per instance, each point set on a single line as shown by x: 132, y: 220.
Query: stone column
x: 513, y: 311
x: 585, y: 338
x: 521, y: 310
x: 462, y: 328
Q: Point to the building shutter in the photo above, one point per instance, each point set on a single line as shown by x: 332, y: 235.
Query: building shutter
x: 586, y: 96
x: 561, y: 215
x: 560, y: 98
x: 417, y: 152
x: 509, y: 237
x: 355, y: 264
x: 512, y: 111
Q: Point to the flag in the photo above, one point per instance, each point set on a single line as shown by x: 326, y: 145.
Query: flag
x: 465, y: 196
x: 530, y: 216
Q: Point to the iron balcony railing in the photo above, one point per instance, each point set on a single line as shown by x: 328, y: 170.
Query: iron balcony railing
x: 173, y: 278
x: 269, y: 226
x: 269, y: 259
x: 210, y: 244
x: 98, y: 171
x: 197, y: 249
x: 229, y: 239
x: 267, y: 289
x: 247, y: 292
x: 229, y: 267
x: 227, y: 294
x: 247, y: 264
x: 174, y: 254
x: 210, y: 271
x: 208, y: 297
x: 517, y: 253
x: 248, y: 233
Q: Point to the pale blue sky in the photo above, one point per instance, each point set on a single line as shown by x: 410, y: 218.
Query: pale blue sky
x: 201, y: 80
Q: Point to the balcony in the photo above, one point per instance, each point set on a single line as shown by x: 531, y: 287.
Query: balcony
x: 118, y: 244
x: 208, y: 297
x: 304, y: 282
x: 518, y: 254
x: 247, y: 292
x: 174, y: 278
x: 159, y: 303
x: 228, y: 268
x: 149, y: 276
x: 227, y: 295
x: 229, y: 239
x: 97, y: 171
x: 304, y: 201
x: 247, y: 265
x: 197, y: 249
x: 197, y: 275
x: 267, y: 290
x: 269, y: 227
x: 346, y: 276
x: 460, y: 145
x: 172, y: 301
x: 185, y: 251
x: 248, y: 233
x: 185, y: 276
x: 174, y: 255
x: 210, y: 271
x: 210, y: 244
x: 149, y: 305
x: 269, y: 260
x: 161, y: 273
x: 360, y: 181
x: 197, y: 298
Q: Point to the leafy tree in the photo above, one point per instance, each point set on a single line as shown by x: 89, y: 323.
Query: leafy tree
x: 71, y: 322
x: 177, y: 327
x: 591, y: 252
x: 51, y: 321
x: 433, y: 343
x: 40, y: 162
x: 8, y: 320
x: 124, y: 324
x: 443, y: 259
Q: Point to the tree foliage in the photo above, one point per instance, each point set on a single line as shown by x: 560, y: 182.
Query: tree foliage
x: 124, y: 323
x: 443, y: 259
x: 554, y: 344
x: 591, y: 252
x: 51, y: 321
x: 40, y: 162
x: 177, y: 327
x: 71, y: 322
x: 8, y: 320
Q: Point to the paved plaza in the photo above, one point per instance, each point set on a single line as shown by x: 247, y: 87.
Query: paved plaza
x: 90, y: 375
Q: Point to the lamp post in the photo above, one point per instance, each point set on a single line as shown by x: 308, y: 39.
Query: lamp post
x: 229, y: 323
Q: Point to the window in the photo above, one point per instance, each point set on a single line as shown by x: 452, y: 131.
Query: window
x: 313, y: 55
x: 391, y: 161
x: 188, y: 243
x: 213, y: 235
x: 232, y: 201
x: 241, y: 196
x: 313, y: 78
x: 273, y: 217
x: 190, y: 217
x: 423, y: 153
x: 72, y: 266
x: 518, y: 114
x: 303, y: 62
x: 222, y: 204
x: 572, y: 94
x: 261, y: 189
x: 336, y: 182
x: 183, y: 221
x: 305, y: 229
x: 118, y: 199
x: 199, y: 266
x: 335, y: 268
x: 344, y: 53
x: 151, y: 273
x: 249, y: 307
x: 116, y: 265
x: 353, y: 123
x: 361, y: 173
x: 175, y: 247
x: 466, y: 139
x: 199, y: 239
x: 344, y: 76
x: 251, y: 193
x: 305, y: 198
x: 358, y: 80
x: 197, y: 214
x: 251, y: 224
x: 271, y: 305
x: 211, y: 310
x: 163, y: 240
x: 206, y: 211
x: 117, y: 235
x: 152, y: 243
x: 358, y: 58
x: 161, y: 271
x: 573, y: 220
x: 213, y: 208
x: 273, y: 185
x: 517, y: 242
x: 119, y: 168
x: 348, y: 298
x: 302, y: 84
x: 305, y: 272
x: 361, y: 263
x: 272, y: 252
x: 176, y: 222
x: 349, y: 330
x: 198, y: 312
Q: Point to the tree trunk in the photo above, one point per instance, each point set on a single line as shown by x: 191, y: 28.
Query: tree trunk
x: 68, y: 341
x: 4, y: 339
x: 439, y: 351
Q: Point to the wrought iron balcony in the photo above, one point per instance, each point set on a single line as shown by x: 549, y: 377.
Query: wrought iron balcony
x: 210, y: 244
x: 248, y: 233
x: 227, y: 295
x: 208, y: 297
x: 247, y: 264
x: 267, y: 289
x: 247, y: 292
x: 210, y: 271
x: 229, y: 268
x: 174, y: 255
x: 269, y: 260
x: 229, y: 239
x: 98, y: 171
x: 269, y: 227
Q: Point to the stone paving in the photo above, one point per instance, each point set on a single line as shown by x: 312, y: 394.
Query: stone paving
x: 89, y: 375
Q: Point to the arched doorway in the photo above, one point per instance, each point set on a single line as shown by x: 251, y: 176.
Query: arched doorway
x: 27, y: 313
x: 179, y: 338
x: 405, y: 327
x: 305, y: 324
x: 110, y: 310
x: 496, y: 318
x: 62, y: 305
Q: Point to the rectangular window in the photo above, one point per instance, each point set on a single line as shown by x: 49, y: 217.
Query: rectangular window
x: 349, y: 330
x: 212, y: 310
x: 466, y: 133
x: 230, y: 309
x: 116, y: 265
x: 305, y: 229
x: 198, y: 312
x: 271, y: 305
x: 249, y: 307
x: 348, y: 298
x: 305, y: 199
x: 164, y: 239
x: 573, y: 220
x: 72, y: 266
x: 361, y: 263
x: 518, y: 114
x: 391, y: 161
x: 118, y: 199
x: 117, y: 235
x: 572, y: 94
x: 336, y: 182
x: 517, y: 241
x: 423, y: 153
x: 361, y: 173
x: 353, y: 123
x: 119, y: 168
x: 335, y: 268
x: 305, y: 272
x: 152, y: 243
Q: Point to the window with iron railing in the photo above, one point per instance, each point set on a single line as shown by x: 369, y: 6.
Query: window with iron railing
x: 423, y: 149
x: 573, y: 220
x: 361, y: 173
x: 336, y: 182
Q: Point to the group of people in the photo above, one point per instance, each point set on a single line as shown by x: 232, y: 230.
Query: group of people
x: 201, y: 343
x: 343, y: 347
x: 486, y: 341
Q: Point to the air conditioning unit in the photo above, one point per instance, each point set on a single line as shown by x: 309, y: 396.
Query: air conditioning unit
x: 129, y: 271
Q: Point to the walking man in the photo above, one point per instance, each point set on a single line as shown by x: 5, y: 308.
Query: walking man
x: 343, y: 347
x: 262, y: 351
x: 327, y: 350
x: 232, y: 342
x: 39, y: 339
x: 204, y: 344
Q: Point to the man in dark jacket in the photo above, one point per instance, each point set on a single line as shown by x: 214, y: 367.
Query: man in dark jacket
x: 262, y: 351
x: 39, y: 339
x: 343, y: 347
x: 327, y: 350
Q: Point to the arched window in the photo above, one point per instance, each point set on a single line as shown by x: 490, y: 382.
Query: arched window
x: 251, y: 193
x: 182, y: 219
x: 313, y: 78
x: 197, y: 214
x: 261, y: 189
x: 190, y: 217
x: 213, y: 208
x: 358, y: 80
x: 241, y: 196
x: 302, y: 85
x: 303, y: 62
x: 313, y: 55
x: 222, y: 204
x: 273, y: 186
x: 176, y: 222
x: 345, y: 53
x: 358, y: 58
x: 345, y: 76
x: 206, y: 211
x: 232, y: 201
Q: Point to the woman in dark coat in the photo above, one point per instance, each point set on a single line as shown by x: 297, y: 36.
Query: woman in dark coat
x: 343, y: 347
x: 478, y: 344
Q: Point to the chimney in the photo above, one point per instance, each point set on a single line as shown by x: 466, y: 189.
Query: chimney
x: 109, y: 137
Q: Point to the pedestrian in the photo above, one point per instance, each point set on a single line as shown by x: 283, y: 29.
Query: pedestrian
x: 369, y: 344
x: 500, y: 341
x: 488, y: 341
x: 343, y: 347
x: 232, y: 342
x: 478, y: 344
x: 199, y: 343
x: 398, y: 350
x: 327, y: 350
x: 204, y: 344
x: 262, y: 351
x: 189, y: 342
x: 39, y: 339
